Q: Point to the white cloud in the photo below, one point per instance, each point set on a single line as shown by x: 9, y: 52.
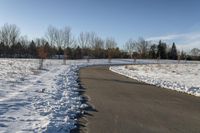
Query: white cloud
x: 167, y: 37
x: 185, y: 41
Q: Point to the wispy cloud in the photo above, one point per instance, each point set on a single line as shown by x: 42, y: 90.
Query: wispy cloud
x: 165, y: 38
x: 185, y: 41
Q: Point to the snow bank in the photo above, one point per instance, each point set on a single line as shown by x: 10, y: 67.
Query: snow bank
x: 179, y: 77
x: 61, y: 103
x: 34, y: 100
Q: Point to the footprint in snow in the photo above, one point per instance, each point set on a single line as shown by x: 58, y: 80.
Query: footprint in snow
x: 39, y: 81
x: 3, y: 125
x: 12, y: 118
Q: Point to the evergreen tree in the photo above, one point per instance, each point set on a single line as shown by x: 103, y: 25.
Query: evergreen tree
x: 173, y: 53
x: 69, y: 53
x: 152, y: 52
x: 19, y: 50
x: 2, y: 49
x: 32, y: 49
x: 78, y: 53
x: 162, y: 50
x: 60, y: 52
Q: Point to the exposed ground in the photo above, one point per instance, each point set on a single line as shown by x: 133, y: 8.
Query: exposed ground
x: 123, y: 105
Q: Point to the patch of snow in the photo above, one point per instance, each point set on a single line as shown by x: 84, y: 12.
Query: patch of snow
x: 179, y: 77
x: 46, y: 101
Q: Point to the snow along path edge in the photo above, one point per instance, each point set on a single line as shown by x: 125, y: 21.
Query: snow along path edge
x: 66, y: 104
x: 157, y: 82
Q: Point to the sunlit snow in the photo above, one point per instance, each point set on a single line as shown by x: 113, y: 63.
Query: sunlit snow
x: 180, y: 77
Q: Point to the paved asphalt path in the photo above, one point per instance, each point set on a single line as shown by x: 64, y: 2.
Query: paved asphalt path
x: 123, y: 105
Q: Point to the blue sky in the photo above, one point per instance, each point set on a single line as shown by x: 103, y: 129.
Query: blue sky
x: 170, y: 20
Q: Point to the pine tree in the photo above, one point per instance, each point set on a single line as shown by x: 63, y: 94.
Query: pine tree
x: 174, y: 53
x: 2, y: 49
x: 32, y: 49
x: 78, y: 53
x: 162, y: 50
x: 152, y: 52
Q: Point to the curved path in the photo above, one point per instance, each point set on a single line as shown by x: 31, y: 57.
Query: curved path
x: 123, y: 105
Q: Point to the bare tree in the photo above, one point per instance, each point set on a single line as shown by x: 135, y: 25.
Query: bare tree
x: 195, y: 52
x: 23, y: 40
x: 51, y: 35
x: 179, y: 57
x: 92, y: 38
x: 58, y: 39
x: 110, y: 47
x: 62, y: 38
x: 54, y: 37
x: 98, y: 43
x: 83, y: 39
x: 98, y: 47
x: 42, y: 51
x: 86, y: 40
x: 130, y: 46
x: 142, y: 47
x: 67, y: 40
x: 9, y: 34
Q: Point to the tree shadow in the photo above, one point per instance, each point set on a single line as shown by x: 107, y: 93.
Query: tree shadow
x: 87, y: 112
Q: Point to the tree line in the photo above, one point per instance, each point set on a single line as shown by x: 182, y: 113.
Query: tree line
x: 61, y: 44
x: 57, y: 43
x: 147, y: 50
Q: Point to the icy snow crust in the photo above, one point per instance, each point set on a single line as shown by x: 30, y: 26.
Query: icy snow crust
x: 180, y: 77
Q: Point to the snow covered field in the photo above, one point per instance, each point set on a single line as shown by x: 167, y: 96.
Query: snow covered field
x: 47, y: 100
x: 181, y: 77
x: 34, y: 100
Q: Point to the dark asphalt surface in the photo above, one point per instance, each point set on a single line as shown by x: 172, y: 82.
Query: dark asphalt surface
x: 123, y: 105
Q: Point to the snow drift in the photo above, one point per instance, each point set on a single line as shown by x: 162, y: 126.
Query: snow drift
x: 179, y: 77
